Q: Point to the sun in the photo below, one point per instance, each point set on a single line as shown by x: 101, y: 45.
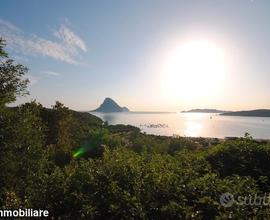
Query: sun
x: 194, y: 70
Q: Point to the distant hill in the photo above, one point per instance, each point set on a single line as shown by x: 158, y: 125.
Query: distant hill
x: 110, y: 105
x: 204, y: 111
x: 251, y: 113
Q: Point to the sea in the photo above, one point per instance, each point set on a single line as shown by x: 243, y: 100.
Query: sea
x: 191, y: 124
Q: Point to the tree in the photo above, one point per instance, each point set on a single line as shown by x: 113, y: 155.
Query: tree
x: 12, y: 83
x: 21, y: 130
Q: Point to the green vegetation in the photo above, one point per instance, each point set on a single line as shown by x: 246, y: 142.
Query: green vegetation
x: 78, y: 167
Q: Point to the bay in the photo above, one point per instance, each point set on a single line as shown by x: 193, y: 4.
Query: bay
x: 191, y: 124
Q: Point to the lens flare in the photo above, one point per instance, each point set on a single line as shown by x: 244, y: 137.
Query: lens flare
x: 79, y: 152
x: 82, y: 150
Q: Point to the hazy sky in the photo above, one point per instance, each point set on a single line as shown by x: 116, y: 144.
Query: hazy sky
x: 80, y: 52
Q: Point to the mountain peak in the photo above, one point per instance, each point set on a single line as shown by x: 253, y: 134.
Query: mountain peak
x: 109, y: 105
x: 108, y: 99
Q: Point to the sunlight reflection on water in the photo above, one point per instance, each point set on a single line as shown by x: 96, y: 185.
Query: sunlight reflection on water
x: 192, y: 128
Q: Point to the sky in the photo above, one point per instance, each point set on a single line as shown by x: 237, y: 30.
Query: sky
x: 81, y: 51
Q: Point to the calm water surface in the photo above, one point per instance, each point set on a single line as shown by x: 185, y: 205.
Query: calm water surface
x: 192, y: 124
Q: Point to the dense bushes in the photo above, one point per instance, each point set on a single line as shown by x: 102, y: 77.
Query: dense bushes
x: 244, y: 157
x: 125, y: 184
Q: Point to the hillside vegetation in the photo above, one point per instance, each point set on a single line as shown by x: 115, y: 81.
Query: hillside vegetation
x: 78, y: 167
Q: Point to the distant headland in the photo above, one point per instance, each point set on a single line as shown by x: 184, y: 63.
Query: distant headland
x: 246, y: 113
x: 250, y: 113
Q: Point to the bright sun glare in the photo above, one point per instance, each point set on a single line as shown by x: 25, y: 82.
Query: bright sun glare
x: 194, y: 70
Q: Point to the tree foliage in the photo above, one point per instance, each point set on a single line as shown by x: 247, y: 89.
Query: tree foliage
x: 12, y: 83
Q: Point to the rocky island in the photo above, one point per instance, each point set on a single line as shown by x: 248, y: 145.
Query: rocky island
x: 109, y: 105
x: 204, y: 111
